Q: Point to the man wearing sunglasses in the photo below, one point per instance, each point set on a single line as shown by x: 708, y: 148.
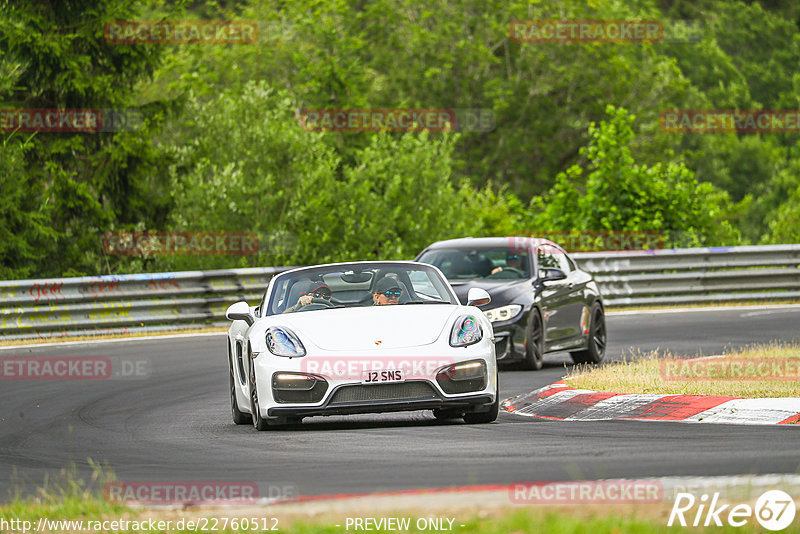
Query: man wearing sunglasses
x: 387, y: 291
x: 315, y: 290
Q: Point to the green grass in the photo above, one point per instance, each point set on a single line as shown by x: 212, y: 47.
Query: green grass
x: 646, y: 375
x: 68, y: 498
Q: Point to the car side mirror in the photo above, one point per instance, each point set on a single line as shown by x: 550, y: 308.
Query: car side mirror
x: 551, y: 274
x: 240, y: 312
x: 478, y: 297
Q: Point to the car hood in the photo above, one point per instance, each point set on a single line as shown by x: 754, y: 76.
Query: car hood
x: 351, y: 329
x: 501, y: 291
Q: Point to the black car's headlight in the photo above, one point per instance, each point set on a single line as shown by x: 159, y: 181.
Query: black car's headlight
x: 466, y: 331
x: 283, y: 342
x: 503, y: 313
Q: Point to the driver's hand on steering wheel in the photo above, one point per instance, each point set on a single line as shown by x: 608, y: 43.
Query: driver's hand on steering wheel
x: 305, y: 300
x: 496, y: 270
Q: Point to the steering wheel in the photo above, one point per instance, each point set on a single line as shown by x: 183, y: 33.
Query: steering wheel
x: 499, y: 274
x: 319, y: 304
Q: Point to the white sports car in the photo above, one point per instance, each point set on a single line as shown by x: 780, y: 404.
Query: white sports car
x: 361, y: 337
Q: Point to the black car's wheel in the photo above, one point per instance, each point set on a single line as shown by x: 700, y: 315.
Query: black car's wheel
x: 473, y: 418
x: 239, y: 417
x: 258, y: 422
x: 534, y: 347
x: 596, y: 344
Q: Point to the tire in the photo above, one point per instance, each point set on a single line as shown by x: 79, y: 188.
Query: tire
x: 472, y: 418
x: 534, y: 346
x: 259, y: 423
x: 596, y: 343
x: 239, y: 417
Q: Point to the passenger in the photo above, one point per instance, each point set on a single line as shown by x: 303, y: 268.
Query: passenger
x: 387, y: 291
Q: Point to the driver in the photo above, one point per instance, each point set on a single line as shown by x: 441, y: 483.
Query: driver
x: 387, y: 291
x: 317, y: 290
x: 513, y: 261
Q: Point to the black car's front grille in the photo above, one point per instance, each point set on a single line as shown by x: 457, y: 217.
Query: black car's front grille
x: 403, y: 391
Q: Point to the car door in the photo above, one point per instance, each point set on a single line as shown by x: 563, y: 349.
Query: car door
x: 573, y: 312
x: 554, y: 299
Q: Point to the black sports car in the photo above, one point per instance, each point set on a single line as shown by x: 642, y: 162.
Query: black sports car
x: 541, y: 301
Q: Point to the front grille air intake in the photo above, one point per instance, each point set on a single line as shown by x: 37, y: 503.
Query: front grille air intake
x: 403, y: 391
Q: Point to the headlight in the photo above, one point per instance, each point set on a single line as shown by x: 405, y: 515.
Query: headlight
x: 463, y: 377
x: 465, y: 332
x: 503, y: 313
x: 282, y: 342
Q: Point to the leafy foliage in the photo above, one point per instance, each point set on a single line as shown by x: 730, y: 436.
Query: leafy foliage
x: 220, y: 148
x: 616, y: 193
x: 244, y: 163
x: 77, y: 184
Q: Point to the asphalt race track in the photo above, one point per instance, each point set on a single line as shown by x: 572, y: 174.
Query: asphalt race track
x: 174, y: 425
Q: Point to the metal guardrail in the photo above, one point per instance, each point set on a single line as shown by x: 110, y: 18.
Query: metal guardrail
x: 160, y: 301
x: 695, y: 275
x: 124, y: 303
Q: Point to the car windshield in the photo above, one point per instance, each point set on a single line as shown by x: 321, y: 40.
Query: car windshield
x: 356, y: 285
x: 489, y: 263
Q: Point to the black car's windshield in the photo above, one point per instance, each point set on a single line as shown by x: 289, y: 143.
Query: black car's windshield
x: 357, y: 284
x: 489, y: 263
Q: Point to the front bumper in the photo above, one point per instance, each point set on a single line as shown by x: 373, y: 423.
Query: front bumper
x: 346, y: 392
x: 406, y: 396
x: 509, y: 341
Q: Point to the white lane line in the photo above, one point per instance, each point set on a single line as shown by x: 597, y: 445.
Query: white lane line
x: 765, y: 312
x: 115, y: 340
x: 759, y: 307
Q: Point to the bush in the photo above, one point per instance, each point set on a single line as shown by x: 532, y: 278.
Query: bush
x: 244, y: 163
x: 613, y: 192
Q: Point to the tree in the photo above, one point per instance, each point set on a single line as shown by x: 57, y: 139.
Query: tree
x: 613, y: 192
x: 25, y: 233
x: 289, y: 186
x: 82, y: 184
x: 785, y: 226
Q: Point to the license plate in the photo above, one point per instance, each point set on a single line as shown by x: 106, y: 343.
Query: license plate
x: 387, y: 375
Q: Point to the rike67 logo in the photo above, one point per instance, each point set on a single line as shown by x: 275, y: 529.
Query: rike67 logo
x: 774, y: 510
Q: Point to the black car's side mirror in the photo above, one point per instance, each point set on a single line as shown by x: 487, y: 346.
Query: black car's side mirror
x: 550, y: 274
